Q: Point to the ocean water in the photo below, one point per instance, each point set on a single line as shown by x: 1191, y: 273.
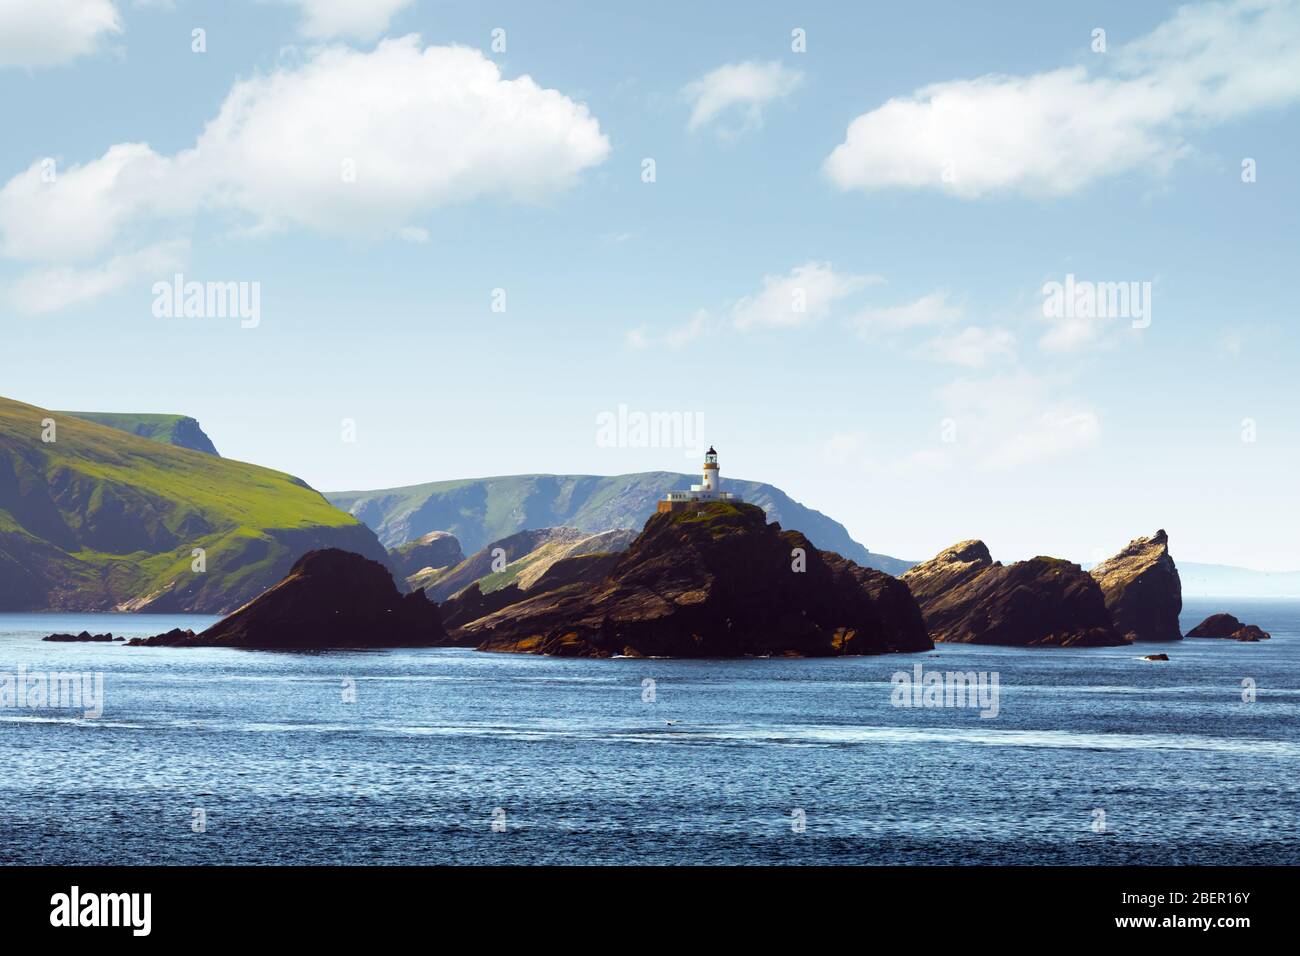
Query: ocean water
x: 451, y: 756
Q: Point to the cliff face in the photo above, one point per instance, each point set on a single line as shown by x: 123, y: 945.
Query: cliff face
x: 480, y: 511
x: 95, y: 518
x: 472, y: 603
x: 330, y: 599
x: 437, y: 549
x: 967, y: 598
x: 179, y: 430
x: 522, y: 559
x: 718, y: 581
x: 1142, y: 590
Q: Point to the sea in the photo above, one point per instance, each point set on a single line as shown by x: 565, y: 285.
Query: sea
x: 215, y: 756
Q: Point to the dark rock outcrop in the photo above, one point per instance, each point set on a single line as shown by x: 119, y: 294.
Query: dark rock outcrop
x: 83, y: 637
x: 437, y: 549
x: 1156, y: 657
x: 1227, y: 626
x: 717, y: 581
x: 1143, y: 592
x: 330, y: 599
x: 968, y: 598
x: 472, y: 604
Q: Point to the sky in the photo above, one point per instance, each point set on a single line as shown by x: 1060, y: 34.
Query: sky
x: 824, y: 240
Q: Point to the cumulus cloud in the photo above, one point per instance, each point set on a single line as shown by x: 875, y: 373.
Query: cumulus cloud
x: 326, y: 19
x: 802, y: 296
x: 746, y: 87
x: 48, y: 214
x: 1055, y: 132
x: 326, y: 145
x: 53, y: 32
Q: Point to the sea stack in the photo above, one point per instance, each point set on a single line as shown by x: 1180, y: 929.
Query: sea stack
x: 968, y: 598
x: 1142, y: 590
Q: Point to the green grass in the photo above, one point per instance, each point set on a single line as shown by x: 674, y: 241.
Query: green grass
x: 96, y: 482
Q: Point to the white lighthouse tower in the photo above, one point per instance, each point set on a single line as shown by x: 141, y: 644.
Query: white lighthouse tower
x: 709, y: 489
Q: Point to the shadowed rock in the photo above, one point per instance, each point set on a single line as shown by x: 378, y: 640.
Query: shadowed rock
x: 330, y: 598
x: 437, y: 549
x: 83, y: 637
x: 1228, y: 627
x: 1142, y: 590
x: 472, y: 604
x: 716, y: 581
x: 968, y: 598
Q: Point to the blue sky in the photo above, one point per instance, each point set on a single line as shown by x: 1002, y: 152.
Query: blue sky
x: 914, y: 178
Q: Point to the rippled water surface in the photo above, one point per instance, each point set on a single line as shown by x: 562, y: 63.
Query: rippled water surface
x: 577, y: 765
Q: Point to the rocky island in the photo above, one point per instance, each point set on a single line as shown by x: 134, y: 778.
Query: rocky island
x: 85, y: 637
x: 1228, y: 627
x: 968, y: 598
x: 713, y: 581
x: 1142, y: 590
x: 330, y: 599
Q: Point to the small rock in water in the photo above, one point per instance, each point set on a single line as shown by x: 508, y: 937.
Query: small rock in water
x: 84, y: 637
x: 1156, y: 657
x: 1227, y: 626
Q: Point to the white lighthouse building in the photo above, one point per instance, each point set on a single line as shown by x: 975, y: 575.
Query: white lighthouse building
x: 709, y: 489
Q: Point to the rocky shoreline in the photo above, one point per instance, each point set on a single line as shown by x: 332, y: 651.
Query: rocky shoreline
x: 719, y: 581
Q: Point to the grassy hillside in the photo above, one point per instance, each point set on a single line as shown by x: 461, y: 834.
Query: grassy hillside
x: 179, y: 430
x: 101, y: 519
x: 480, y: 510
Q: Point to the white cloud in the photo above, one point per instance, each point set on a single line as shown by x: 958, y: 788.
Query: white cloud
x: 325, y: 145
x: 1055, y: 132
x: 282, y: 145
x: 413, y: 234
x: 50, y: 214
x: 748, y: 85
x: 1075, y: 334
x: 973, y: 347
x: 1006, y: 421
x: 325, y: 19
x: 702, y: 323
x: 803, y: 296
x: 37, y: 33
x: 51, y: 289
x: 929, y: 310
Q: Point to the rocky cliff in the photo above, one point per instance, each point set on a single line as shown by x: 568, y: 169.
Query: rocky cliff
x: 968, y: 598
x: 94, y: 518
x: 472, y: 603
x: 521, y: 559
x: 433, y: 551
x: 482, y: 510
x: 330, y: 599
x: 717, y: 581
x: 179, y: 430
x: 1142, y: 590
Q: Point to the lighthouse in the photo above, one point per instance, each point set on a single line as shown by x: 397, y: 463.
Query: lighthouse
x: 711, y: 470
x: 709, y: 488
